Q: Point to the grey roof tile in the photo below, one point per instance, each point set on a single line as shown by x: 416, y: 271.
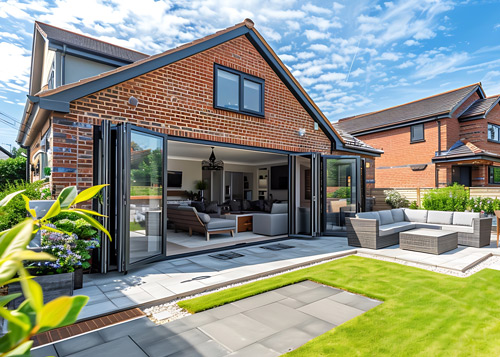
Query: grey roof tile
x: 480, y: 107
x: 440, y: 104
x: 88, y: 43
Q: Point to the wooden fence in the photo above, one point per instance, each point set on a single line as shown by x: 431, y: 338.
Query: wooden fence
x: 417, y: 194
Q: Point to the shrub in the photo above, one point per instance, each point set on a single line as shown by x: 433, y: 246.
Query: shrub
x: 343, y: 192
x: 413, y: 205
x: 451, y: 198
x: 12, y: 169
x: 396, y: 200
x: 15, y: 211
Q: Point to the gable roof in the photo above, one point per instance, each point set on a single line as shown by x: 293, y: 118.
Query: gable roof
x: 59, y: 99
x: 5, y: 154
x: 480, y: 108
x: 353, y: 142
x: 437, y: 106
x: 65, y: 37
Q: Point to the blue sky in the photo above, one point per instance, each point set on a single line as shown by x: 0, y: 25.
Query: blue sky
x: 351, y: 56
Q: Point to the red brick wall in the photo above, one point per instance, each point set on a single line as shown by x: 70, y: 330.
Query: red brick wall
x: 178, y: 100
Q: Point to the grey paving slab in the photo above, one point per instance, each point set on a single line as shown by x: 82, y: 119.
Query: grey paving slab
x: 44, y: 351
x: 96, y: 309
x: 318, y: 293
x: 199, y: 319
x: 291, y: 302
x: 151, y: 335
x: 224, y: 311
x: 259, y: 300
x: 287, y: 340
x: 354, y: 300
x: 208, y: 348
x: 315, y: 326
x: 126, y: 328
x: 293, y: 289
x: 331, y: 311
x: 174, y: 344
x: 78, y: 344
x: 123, y: 346
x: 237, y: 331
x: 277, y: 316
x: 255, y: 349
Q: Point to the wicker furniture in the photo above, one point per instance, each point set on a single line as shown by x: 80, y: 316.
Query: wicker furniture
x: 188, y: 219
x: 381, y: 229
x: 431, y: 241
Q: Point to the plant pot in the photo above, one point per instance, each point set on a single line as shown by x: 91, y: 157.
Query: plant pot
x: 53, y: 286
x: 78, y: 278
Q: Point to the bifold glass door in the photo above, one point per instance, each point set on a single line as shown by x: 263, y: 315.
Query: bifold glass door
x: 142, y: 168
x: 303, y: 195
x: 340, y: 192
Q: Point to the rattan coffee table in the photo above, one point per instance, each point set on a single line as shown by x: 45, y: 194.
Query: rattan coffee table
x: 433, y: 241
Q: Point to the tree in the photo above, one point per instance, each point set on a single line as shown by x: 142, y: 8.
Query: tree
x: 12, y: 169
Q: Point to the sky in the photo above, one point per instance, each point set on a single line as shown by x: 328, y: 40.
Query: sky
x: 352, y: 56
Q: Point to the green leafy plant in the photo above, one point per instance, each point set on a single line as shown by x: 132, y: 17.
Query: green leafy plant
x: 413, y: 205
x: 451, y: 198
x: 201, y: 185
x: 47, y: 171
x: 395, y: 199
x: 33, y: 316
x: 342, y: 192
x: 12, y: 170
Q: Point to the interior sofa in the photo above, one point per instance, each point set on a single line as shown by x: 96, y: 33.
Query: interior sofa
x: 381, y: 229
x: 274, y: 223
x: 188, y: 219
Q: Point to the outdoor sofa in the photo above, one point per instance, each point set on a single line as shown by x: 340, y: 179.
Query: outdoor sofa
x: 188, y: 219
x: 379, y: 229
x: 274, y: 223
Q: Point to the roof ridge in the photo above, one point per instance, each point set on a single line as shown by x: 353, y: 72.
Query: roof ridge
x: 414, y: 101
x: 37, y: 23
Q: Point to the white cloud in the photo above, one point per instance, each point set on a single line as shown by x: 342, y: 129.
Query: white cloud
x: 15, y: 68
x: 316, y: 9
x: 497, y: 26
x: 305, y: 55
x: 357, y: 72
x: 429, y: 67
x: 286, y: 48
x: 389, y: 56
x: 411, y: 43
x: 406, y: 64
x: 337, y: 6
x: 287, y: 58
x: 313, y: 35
x: 332, y: 77
x: 319, y: 47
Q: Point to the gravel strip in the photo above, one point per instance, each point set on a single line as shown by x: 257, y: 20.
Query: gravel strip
x: 164, y: 313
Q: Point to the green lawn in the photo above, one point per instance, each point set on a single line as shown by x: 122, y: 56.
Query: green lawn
x: 423, y: 313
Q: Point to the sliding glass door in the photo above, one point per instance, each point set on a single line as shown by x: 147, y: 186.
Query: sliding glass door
x: 341, y: 192
x: 303, y: 195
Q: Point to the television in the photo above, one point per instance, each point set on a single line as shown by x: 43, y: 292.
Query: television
x: 174, y: 179
x: 279, y: 177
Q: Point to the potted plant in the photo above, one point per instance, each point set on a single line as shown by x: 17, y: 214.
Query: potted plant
x: 201, y: 186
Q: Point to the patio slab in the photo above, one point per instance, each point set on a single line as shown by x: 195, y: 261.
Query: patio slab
x: 262, y: 325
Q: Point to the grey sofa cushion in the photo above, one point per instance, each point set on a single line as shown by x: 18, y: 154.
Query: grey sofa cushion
x: 185, y: 208
x: 440, y: 217
x: 416, y: 215
x: 279, y: 208
x: 464, y: 218
x: 221, y: 223
x: 205, y: 218
x: 385, y: 217
x: 398, y: 214
x: 368, y: 215
x: 395, y: 227
x: 460, y: 229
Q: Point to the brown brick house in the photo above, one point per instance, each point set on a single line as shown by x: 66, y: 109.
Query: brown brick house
x: 435, y: 141
x: 154, y: 123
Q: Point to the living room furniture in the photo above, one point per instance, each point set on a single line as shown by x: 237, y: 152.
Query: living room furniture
x: 381, y: 229
x: 433, y: 241
x: 243, y: 221
x: 274, y: 223
x: 188, y: 219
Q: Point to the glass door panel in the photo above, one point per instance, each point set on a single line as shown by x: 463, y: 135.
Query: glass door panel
x: 303, y: 193
x: 145, y: 195
x: 340, y: 192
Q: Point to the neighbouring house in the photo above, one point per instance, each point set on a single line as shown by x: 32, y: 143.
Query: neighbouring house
x: 222, y: 110
x: 435, y: 141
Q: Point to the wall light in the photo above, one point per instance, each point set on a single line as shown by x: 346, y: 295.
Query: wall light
x: 133, y: 101
x: 302, y: 132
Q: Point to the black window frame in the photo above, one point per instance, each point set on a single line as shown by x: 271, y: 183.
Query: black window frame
x: 242, y: 77
x: 498, y: 132
x: 491, y: 175
x: 412, y: 140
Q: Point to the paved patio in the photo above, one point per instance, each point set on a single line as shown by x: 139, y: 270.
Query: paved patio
x: 160, y: 282
x: 268, y: 324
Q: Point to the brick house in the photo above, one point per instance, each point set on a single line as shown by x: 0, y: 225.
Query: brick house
x: 435, y: 141
x: 223, y: 110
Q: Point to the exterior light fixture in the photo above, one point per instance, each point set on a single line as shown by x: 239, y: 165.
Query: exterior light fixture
x: 212, y: 163
x: 302, y: 132
x: 133, y: 101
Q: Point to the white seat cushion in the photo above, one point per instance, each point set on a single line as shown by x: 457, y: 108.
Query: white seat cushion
x: 457, y: 228
x: 464, y: 218
x: 440, y: 217
x: 395, y: 227
x: 385, y: 217
x: 368, y: 215
x: 416, y: 215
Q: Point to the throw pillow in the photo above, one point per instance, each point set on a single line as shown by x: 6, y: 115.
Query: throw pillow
x: 211, y: 207
x: 235, y: 205
x: 199, y: 205
x: 245, y: 205
x: 205, y: 218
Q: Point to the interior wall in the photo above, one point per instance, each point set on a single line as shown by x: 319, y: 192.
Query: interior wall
x: 191, y: 172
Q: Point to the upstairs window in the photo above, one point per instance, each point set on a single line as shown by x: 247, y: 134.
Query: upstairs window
x: 417, y: 133
x: 494, y: 132
x: 237, y: 91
